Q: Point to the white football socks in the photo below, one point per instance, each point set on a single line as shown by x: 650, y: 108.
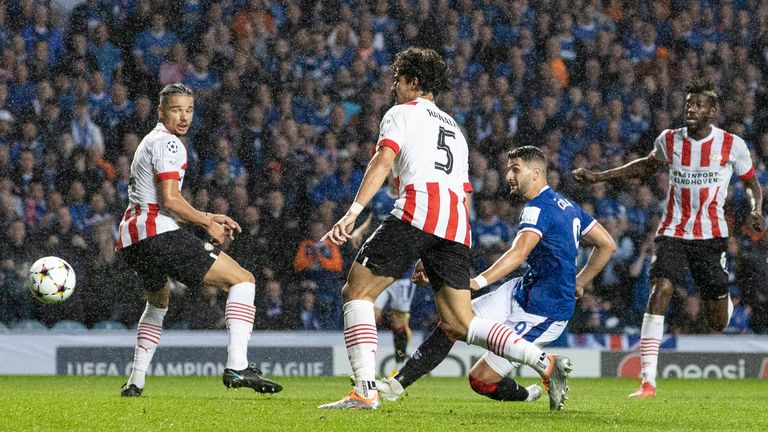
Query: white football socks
x: 362, y: 341
x: 650, y: 339
x: 148, y: 336
x: 503, y: 341
x: 239, y: 314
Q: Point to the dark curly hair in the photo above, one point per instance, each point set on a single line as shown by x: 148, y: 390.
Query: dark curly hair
x: 702, y: 86
x: 424, y: 64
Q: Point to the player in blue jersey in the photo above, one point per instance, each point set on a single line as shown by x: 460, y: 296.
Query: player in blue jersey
x: 539, y: 304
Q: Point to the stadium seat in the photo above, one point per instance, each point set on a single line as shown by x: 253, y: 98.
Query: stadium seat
x: 29, y: 325
x: 109, y: 325
x: 68, y: 325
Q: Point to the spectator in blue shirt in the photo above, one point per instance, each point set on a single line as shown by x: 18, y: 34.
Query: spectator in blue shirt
x: 107, y: 55
x: 152, y: 45
x: 224, y: 153
x: 199, y: 77
x: 40, y: 29
x: 338, y: 187
x: 119, y: 108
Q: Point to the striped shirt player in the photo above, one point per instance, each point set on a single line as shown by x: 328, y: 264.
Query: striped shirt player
x: 158, y: 251
x: 699, y: 173
x: 160, y: 156
x: 431, y: 169
x: 692, y: 235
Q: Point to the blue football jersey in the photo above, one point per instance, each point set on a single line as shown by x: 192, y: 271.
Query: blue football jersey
x: 549, y: 285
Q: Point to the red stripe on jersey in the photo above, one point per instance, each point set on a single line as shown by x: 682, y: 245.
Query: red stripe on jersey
x: 433, y: 207
x: 749, y: 174
x: 126, y: 216
x: 703, y: 195
x: 453, y: 218
x: 184, y: 167
x: 386, y: 142
x: 670, y: 210
x: 152, y: 220
x: 725, y: 153
x: 685, y: 202
x: 712, y: 212
x: 468, y: 187
x: 685, y: 159
x: 168, y: 175
x: 410, y: 103
x: 468, y: 235
x: 410, y: 204
x: 133, y: 230
x: 670, y: 142
x: 706, y: 149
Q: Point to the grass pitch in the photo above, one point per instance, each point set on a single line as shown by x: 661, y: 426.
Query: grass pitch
x: 57, y: 403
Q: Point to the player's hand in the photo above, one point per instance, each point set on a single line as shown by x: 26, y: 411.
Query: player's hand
x: 342, y: 230
x: 419, y: 276
x: 227, y: 222
x: 756, y: 220
x: 218, y: 233
x: 584, y: 175
x: 579, y: 292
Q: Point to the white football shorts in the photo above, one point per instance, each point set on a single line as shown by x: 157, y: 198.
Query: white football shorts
x: 500, y: 306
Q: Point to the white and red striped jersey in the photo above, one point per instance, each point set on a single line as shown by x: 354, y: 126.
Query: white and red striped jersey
x: 699, y: 173
x: 431, y: 169
x: 160, y: 156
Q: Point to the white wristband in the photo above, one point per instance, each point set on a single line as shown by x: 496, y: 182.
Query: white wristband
x: 356, y: 208
x: 482, y: 282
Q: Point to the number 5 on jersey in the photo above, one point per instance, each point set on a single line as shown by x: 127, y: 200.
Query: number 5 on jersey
x: 441, y: 145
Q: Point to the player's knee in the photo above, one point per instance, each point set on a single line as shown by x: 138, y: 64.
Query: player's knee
x: 480, y: 386
x: 454, y: 329
x: 248, y: 277
x: 664, y: 289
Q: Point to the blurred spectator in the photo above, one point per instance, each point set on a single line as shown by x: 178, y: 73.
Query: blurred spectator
x: 320, y: 261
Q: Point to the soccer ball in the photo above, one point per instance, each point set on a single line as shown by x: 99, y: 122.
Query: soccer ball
x: 51, y: 280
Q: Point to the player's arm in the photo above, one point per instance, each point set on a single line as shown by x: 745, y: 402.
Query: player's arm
x: 637, y: 168
x: 755, y: 194
x: 603, y: 248
x: 512, y: 259
x: 377, y: 171
x: 174, y: 202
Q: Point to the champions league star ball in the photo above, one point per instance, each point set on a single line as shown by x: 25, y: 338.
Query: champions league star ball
x: 51, y: 280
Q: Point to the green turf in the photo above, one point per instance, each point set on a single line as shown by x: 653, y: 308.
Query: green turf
x: 433, y: 404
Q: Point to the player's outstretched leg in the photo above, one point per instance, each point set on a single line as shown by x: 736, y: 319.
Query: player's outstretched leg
x: 147, y: 338
x: 503, y: 341
x: 239, y: 315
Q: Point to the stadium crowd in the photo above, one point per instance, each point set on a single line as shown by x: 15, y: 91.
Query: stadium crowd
x: 289, y: 95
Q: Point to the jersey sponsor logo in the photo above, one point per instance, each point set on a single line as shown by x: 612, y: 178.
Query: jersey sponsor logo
x: 172, y: 146
x: 530, y: 215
